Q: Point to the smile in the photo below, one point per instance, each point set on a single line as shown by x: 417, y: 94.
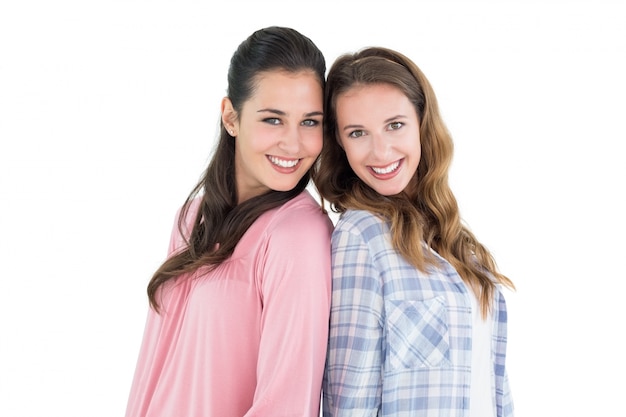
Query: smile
x: 283, y: 163
x: 386, y: 170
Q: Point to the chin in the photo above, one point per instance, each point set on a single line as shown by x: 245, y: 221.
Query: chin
x: 284, y: 187
x: 387, y: 192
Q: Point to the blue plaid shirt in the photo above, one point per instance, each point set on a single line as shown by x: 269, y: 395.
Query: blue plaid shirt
x: 400, y: 339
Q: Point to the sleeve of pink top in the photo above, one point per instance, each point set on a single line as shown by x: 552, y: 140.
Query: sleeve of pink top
x: 295, y: 273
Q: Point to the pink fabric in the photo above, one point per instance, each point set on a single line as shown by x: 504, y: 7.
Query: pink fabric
x: 249, y: 338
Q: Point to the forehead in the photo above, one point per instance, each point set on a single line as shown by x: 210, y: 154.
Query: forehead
x: 287, y: 89
x: 371, y: 98
x: 274, y: 78
x: 360, y: 90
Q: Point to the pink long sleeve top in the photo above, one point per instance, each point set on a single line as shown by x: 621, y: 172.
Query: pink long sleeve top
x: 248, y: 338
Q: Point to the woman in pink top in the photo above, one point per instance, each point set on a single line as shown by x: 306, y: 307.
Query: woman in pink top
x: 239, y: 312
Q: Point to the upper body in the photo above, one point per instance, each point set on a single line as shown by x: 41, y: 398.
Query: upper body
x: 248, y: 338
x: 400, y: 341
x: 418, y: 321
x: 239, y: 309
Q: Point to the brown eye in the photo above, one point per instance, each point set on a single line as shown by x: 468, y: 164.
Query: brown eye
x: 356, y: 134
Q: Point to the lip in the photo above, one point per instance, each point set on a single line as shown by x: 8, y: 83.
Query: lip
x: 288, y: 169
x: 388, y: 175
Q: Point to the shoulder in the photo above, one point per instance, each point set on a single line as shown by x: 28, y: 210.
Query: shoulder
x: 301, y: 212
x: 301, y: 215
x: 361, y: 222
x: 188, y: 212
x: 297, y: 232
x: 359, y: 230
x: 183, y: 223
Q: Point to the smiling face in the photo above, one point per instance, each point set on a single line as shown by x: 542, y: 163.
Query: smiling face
x: 378, y: 128
x: 278, y: 134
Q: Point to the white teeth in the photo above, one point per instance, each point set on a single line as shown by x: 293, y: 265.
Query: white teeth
x: 388, y: 169
x: 283, y: 163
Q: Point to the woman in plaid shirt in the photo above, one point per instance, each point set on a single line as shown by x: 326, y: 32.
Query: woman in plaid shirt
x: 418, y: 319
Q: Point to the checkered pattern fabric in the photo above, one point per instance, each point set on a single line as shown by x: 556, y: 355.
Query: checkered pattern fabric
x: 400, y: 339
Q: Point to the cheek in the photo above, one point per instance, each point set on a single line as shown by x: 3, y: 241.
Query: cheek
x: 259, y: 140
x: 355, y: 152
x: 318, y: 148
x: 418, y: 151
x: 314, y: 142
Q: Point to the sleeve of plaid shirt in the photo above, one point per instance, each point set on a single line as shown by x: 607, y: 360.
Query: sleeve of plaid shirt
x: 353, y: 377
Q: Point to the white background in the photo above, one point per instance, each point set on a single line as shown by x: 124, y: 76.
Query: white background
x: 108, y: 111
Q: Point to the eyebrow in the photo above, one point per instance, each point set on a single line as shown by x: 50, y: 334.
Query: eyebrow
x: 389, y: 120
x: 282, y: 113
x: 347, y: 127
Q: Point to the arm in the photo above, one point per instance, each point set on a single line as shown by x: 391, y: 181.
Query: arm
x: 295, y: 288
x: 353, y: 378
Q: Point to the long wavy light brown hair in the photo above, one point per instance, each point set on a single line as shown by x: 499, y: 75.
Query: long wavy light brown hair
x: 219, y: 218
x: 426, y: 211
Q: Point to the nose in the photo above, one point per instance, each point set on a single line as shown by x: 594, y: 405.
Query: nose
x: 290, y: 141
x: 381, y: 147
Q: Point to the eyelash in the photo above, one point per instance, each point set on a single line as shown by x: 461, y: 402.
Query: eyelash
x: 356, y: 134
x: 307, y: 122
x: 360, y: 133
x: 310, y: 123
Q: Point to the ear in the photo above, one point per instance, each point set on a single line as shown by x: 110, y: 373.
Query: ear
x: 229, y: 116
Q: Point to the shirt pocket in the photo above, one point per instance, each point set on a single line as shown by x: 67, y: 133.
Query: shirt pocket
x: 417, y: 334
